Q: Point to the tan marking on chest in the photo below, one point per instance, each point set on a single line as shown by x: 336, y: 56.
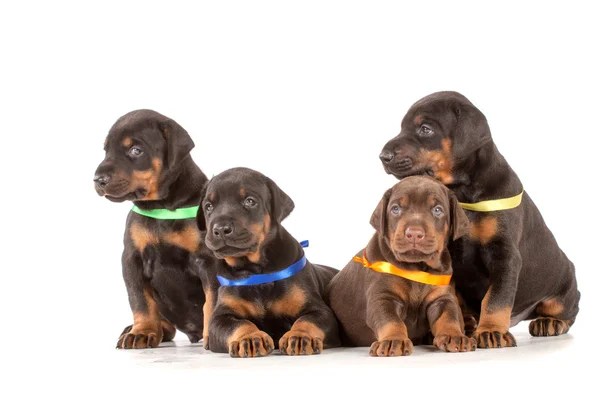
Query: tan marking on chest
x: 484, y: 230
x: 290, y: 304
x: 142, y: 237
x: 241, y: 307
x: 188, y: 238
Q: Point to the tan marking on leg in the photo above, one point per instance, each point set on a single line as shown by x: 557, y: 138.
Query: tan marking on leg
x: 142, y: 237
x: 241, y: 307
x: 484, y: 230
x: 207, y: 309
x: 550, y: 308
x: 188, y: 238
x: 291, y: 304
x: 493, y: 320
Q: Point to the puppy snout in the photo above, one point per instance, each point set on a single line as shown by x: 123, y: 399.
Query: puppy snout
x: 414, y: 234
x: 223, y: 230
x: 102, y: 179
x: 386, y: 156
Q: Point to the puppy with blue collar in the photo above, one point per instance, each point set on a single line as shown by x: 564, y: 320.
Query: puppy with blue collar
x: 270, y: 293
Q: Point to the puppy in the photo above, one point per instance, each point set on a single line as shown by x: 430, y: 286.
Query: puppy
x: 270, y: 293
x: 169, y: 281
x: 509, y: 268
x: 398, y: 288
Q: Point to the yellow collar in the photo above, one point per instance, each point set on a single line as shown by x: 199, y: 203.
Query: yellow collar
x: 494, y: 205
x: 417, y: 276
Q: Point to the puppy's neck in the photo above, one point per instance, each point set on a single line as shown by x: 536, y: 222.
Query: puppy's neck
x: 182, y: 189
x: 484, y: 174
x: 278, y: 252
x: 378, y: 250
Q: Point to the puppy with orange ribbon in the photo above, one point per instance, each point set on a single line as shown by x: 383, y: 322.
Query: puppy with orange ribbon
x: 397, y: 290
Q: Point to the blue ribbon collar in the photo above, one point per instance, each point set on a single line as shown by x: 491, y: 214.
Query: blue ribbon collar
x: 266, y: 278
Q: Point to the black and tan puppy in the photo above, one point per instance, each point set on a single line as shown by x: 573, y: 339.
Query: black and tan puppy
x: 398, y: 289
x: 169, y: 281
x: 241, y: 212
x: 510, y: 266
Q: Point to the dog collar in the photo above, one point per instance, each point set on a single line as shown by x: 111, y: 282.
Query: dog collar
x: 266, y: 278
x: 416, y: 276
x: 494, y: 205
x: 163, y: 213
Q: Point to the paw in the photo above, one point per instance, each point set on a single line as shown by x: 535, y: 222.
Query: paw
x: 134, y: 338
x: 255, y: 344
x: 391, y: 348
x: 295, y: 343
x: 546, y: 326
x: 489, y: 339
x: 470, y: 324
x: 455, y: 344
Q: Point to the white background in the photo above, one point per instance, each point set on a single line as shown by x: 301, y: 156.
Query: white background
x: 308, y: 93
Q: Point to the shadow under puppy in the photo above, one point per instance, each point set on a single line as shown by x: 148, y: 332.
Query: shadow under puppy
x: 269, y: 292
x: 398, y: 289
x: 165, y: 268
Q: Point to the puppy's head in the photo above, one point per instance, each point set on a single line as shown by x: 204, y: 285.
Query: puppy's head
x: 143, y: 150
x: 240, y: 211
x: 417, y: 217
x: 437, y: 132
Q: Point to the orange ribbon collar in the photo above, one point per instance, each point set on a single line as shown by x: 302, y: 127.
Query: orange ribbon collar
x: 416, y: 276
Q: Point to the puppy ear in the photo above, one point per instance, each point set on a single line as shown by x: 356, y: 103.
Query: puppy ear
x: 281, y: 204
x: 200, y: 220
x: 471, y: 131
x: 378, y: 218
x: 459, y: 222
x: 179, y: 142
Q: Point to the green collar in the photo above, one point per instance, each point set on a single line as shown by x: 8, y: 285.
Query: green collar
x: 163, y: 213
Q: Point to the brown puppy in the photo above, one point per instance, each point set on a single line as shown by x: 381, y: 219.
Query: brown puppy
x: 166, y: 269
x: 270, y: 293
x: 414, y: 220
x: 510, y: 266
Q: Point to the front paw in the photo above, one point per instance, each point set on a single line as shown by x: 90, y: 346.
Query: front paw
x: 455, y: 344
x: 139, y: 338
x: 391, y: 348
x: 493, y: 339
x: 300, y: 343
x: 255, y: 344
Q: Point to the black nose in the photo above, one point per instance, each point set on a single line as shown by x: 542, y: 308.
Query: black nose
x: 102, y: 179
x: 223, y: 230
x: 386, y: 156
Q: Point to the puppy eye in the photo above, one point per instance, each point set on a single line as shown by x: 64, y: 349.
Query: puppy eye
x: 135, y: 151
x: 249, y: 202
x: 208, y: 207
x: 438, y: 211
x: 425, y: 130
x: 395, y: 209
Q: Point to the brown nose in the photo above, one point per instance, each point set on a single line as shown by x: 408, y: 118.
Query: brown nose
x: 415, y: 235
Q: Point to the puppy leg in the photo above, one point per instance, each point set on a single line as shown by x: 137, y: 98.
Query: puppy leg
x: 385, y: 317
x: 445, y: 320
x: 313, y: 331
x: 556, y: 314
x: 148, y: 327
x: 504, y: 263
x: 237, y: 336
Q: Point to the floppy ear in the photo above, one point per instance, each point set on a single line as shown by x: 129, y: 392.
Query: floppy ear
x: 378, y: 218
x: 200, y: 220
x: 459, y: 223
x: 281, y: 204
x: 179, y: 142
x: 471, y: 131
